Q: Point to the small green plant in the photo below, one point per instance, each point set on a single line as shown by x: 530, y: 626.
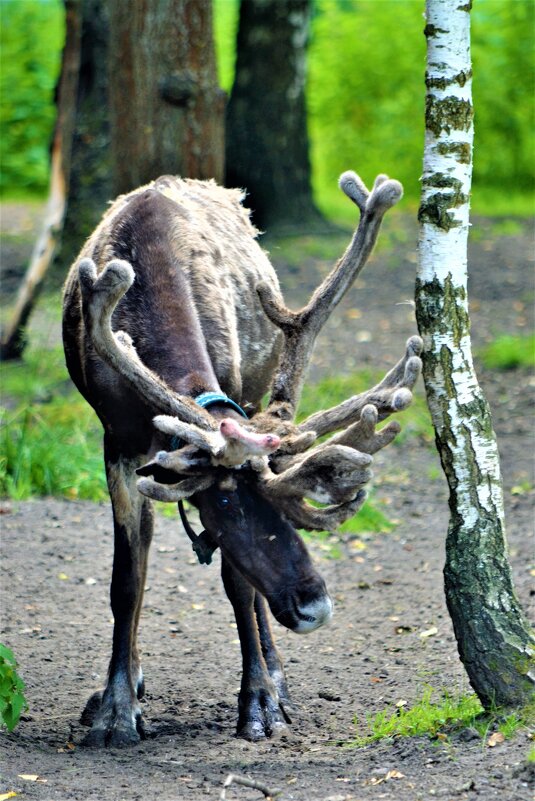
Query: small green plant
x: 425, y: 717
x: 368, y: 520
x: 12, y: 700
x: 509, y: 351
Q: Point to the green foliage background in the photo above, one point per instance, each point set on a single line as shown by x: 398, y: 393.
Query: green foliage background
x: 365, y: 94
x: 31, y: 41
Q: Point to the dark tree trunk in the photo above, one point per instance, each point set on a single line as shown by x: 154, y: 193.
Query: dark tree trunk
x: 90, y: 186
x: 267, y: 141
x: 167, y: 112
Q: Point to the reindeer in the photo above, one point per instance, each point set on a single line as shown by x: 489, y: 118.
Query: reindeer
x: 174, y: 329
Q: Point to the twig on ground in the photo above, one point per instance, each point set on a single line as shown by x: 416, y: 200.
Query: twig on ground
x: 270, y: 795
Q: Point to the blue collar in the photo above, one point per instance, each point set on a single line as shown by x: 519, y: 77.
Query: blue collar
x: 207, y: 399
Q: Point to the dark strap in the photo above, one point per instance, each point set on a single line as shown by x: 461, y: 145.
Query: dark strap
x: 202, y: 543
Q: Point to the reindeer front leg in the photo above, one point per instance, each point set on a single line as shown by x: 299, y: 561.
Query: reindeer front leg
x: 115, y: 714
x: 271, y: 655
x: 260, y: 712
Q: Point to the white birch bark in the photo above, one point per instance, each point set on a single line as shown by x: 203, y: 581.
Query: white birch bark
x: 492, y: 635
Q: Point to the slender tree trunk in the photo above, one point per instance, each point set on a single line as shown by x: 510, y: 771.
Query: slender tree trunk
x: 267, y: 140
x: 13, y: 339
x: 493, y: 638
x: 167, y: 112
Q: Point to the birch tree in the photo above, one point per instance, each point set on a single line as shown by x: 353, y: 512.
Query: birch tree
x: 494, y: 641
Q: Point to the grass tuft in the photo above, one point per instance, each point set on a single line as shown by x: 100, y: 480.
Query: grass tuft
x: 440, y: 718
x: 424, y: 717
x: 509, y: 351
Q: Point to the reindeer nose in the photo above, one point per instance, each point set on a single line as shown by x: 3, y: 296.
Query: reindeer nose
x: 314, y: 614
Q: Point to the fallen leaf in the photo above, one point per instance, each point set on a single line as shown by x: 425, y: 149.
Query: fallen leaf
x: 5, y: 796
x: 63, y: 576
x: 442, y: 737
x: 429, y: 632
x: 404, y: 629
x: 197, y: 606
x: 394, y: 774
x: 495, y: 738
x: 357, y: 545
x: 32, y: 777
x: 375, y: 680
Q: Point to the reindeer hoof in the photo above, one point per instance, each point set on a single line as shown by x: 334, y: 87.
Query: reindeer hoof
x: 116, y: 738
x: 115, y: 721
x: 261, y: 716
x: 119, y: 734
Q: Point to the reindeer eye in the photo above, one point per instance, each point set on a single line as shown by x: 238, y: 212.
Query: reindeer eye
x: 223, y: 502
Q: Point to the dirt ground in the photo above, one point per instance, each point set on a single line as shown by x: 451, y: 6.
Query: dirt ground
x: 388, y: 591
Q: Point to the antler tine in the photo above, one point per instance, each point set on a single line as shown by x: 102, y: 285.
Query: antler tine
x: 301, y: 328
x: 100, y: 296
x: 328, y: 518
x: 392, y: 394
x: 170, y: 493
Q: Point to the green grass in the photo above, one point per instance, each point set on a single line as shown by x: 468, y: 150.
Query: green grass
x: 50, y: 439
x: 440, y: 715
x: 51, y: 449
x: 368, y: 520
x: 509, y: 351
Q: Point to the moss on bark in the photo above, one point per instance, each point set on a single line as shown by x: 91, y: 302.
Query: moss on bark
x: 441, y: 82
x: 447, y: 114
x: 461, y: 150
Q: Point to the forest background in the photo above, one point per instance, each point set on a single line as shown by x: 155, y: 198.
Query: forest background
x: 364, y: 95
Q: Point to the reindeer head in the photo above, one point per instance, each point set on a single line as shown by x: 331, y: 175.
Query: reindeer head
x: 251, y: 479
